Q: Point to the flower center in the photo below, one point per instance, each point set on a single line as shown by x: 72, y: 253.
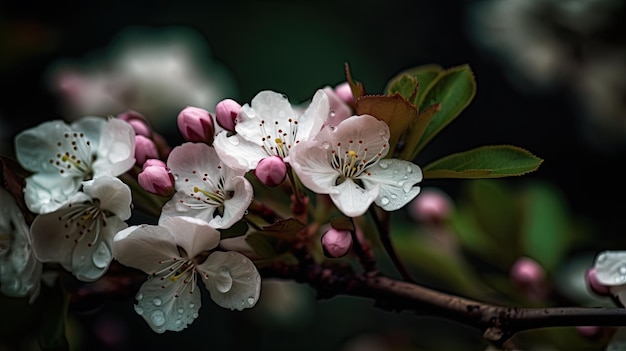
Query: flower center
x: 208, y: 193
x: 73, y: 155
x: 85, y: 218
x: 178, y: 269
x: 352, y: 161
x: 278, y: 140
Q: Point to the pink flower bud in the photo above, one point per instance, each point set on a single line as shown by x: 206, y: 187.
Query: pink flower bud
x: 196, y: 124
x: 225, y: 113
x: 339, y: 110
x: 344, y: 92
x: 594, y: 284
x: 589, y: 331
x: 336, y: 243
x: 271, y: 171
x: 431, y: 206
x: 138, y: 121
x: 530, y: 277
x: 144, y: 149
x: 156, y: 178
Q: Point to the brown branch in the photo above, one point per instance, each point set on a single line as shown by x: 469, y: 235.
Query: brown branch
x: 497, y: 323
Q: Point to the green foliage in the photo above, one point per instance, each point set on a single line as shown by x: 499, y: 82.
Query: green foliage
x: 484, y: 162
x: 275, y: 238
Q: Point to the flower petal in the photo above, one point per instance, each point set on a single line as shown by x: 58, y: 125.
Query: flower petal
x: 53, y: 239
x: 236, y: 206
x: 237, y: 152
x: 167, y: 305
x: 353, y: 200
x: 269, y: 106
x: 92, y: 127
x: 611, y: 268
x: 396, y: 179
x: 35, y: 147
x: 116, y: 151
x: 309, y: 159
x: 45, y: 193
x: 232, y: 280
x: 192, y: 234
x: 113, y: 194
x: 145, y: 247
x: 314, y: 117
x: 93, y: 253
x: 181, y: 204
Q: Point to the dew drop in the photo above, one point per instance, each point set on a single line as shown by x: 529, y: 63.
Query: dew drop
x: 191, y: 305
x: 157, y: 317
x: 383, y: 164
x: 326, y: 145
x: 394, y: 196
x: 195, y: 315
x: 250, y: 112
x: 102, y: 256
x: 384, y: 201
x: 178, y: 322
x: 409, y: 169
x: 251, y: 301
x: 181, y: 310
x: 176, y: 176
x: 622, y: 270
x: 157, y: 301
x: 332, y: 114
x: 234, y: 140
x: 223, y: 280
x: 139, y: 296
x: 139, y: 310
x: 602, y: 257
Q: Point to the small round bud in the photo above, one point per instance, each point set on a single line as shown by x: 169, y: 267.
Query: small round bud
x: 226, y: 112
x: 594, y: 284
x: 336, y: 243
x: 196, y: 125
x: 144, y: 149
x: 138, y: 121
x: 344, y: 92
x: 156, y: 178
x: 528, y: 275
x: 271, y: 171
x: 431, y: 206
x: 589, y: 331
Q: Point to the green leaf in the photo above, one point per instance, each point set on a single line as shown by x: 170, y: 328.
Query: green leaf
x: 237, y: 229
x: 454, y: 89
x: 406, y: 86
x: 284, y: 229
x: 546, y: 228
x: 494, y: 161
x: 423, y: 75
x: 262, y: 245
x: 415, y: 132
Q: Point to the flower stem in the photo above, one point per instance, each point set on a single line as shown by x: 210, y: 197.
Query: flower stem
x: 382, y: 226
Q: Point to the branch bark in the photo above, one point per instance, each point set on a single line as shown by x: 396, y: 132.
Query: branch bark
x: 497, y: 323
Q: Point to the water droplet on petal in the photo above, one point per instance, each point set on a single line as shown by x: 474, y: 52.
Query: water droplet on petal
x: 383, y: 164
x: 176, y: 176
x: 157, y: 317
x: 251, y: 301
x: 102, y: 256
x: 157, y: 301
x: 332, y: 114
x: 195, y: 315
x: 223, y: 280
x: 234, y: 140
x: 139, y: 296
x: 139, y: 310
x: 409, y: 169
x: 394, y: 196
x: 250, y: 112
x: 622, y: 270
x: 331, y: 127
x: 191, y: 305
x: 326, y: 145
x: 178, y: 321
x: 602, y: 257
x: 384, y: 201
x: 181, y: 310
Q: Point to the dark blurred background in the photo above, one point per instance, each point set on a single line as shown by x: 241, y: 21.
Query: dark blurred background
x: 551, y: 77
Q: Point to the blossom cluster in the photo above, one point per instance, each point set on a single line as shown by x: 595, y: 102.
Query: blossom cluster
x: 85, y: 179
